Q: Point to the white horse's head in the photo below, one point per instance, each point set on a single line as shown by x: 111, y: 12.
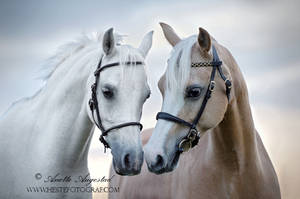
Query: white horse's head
x: 184, y: 89
x: 121, y: 92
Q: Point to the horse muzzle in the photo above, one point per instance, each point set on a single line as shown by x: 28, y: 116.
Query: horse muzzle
x: 128, y: 163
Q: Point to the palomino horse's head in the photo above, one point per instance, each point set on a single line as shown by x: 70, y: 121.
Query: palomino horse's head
x: 120, y: 93
x: 183, y: 89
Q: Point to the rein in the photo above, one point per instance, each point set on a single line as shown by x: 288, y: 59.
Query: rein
x: 193, y: 135
x: 93, y: 102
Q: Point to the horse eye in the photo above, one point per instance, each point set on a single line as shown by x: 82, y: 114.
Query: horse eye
x: 193, y: 92
x: 107, y: 93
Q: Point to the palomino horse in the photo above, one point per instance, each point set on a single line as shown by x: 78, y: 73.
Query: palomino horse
x: 230, y: 160
x: 46, y: 138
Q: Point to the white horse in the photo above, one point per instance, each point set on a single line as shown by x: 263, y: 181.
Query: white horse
x: 50, y: 133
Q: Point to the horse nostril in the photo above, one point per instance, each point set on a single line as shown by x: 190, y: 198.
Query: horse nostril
x: 159, y: 161
x: 127, y: 160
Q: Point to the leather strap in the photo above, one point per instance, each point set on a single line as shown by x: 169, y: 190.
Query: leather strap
x: 216, y: 66
x: 169, y: 117
x: 93, y: 102
x: 99, y: 69
x: 104, y: 133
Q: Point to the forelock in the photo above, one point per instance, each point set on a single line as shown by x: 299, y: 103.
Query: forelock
x: 179, y: 64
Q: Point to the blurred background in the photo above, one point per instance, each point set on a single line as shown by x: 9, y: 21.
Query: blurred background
x: 263, y: 37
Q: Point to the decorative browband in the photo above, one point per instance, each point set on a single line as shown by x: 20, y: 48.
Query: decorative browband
x: 206, y: 64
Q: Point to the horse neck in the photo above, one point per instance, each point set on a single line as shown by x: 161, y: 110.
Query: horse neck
x: 63, y: 104
x: 235, y: 137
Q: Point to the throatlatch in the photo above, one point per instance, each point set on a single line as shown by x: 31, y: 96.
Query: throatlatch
x: 93, y: 102
x: 193, y: 135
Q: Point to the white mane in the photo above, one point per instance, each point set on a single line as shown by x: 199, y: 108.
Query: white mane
x: 179, y: 64
x: 67, y: 50
x: 92, y: 42
x: 89, y: 43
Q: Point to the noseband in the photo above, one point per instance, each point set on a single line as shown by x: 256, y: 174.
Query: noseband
x: 93, y: 102
x: 193, y: 135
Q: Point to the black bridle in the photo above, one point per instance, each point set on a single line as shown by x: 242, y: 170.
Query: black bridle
x: 93, y: 102
x: 193, y: 135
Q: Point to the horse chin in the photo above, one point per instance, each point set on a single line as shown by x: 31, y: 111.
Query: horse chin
x: 127, y: 173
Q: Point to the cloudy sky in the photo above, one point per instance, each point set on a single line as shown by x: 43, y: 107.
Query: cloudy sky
x: 263, y: 36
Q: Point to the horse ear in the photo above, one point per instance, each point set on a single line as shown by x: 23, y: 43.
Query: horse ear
x: 108, y: 43
x: 170, y: 34
x: 146, y: 43
x: 204, y: 39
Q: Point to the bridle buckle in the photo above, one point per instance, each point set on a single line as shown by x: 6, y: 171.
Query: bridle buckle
x: 192, y: 134
x: 91, y: 104
x: 187, y: 143
x: 228, y: 83
x: 184, y: 145
x: 212, y: 85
